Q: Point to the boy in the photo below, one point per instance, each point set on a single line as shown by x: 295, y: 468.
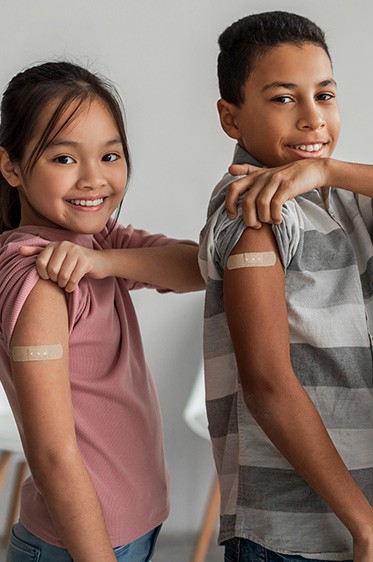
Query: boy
x: 288, y: 355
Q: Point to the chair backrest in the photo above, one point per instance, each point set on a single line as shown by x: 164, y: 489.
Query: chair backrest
x: 9, y: 436
x: 195, y: 409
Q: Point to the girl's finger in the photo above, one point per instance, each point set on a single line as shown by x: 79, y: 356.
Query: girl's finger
x: 30, y: 250
x: 66, y: 273
x: 75, y: 276
x: 43, y: 260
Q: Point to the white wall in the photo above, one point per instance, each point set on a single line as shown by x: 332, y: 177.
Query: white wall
x: 162, y: 55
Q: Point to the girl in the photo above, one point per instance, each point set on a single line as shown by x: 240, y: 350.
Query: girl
x: 72, y: 363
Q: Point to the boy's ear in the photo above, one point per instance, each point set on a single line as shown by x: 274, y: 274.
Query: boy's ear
x: 9, y: 170
x: 227, y: 113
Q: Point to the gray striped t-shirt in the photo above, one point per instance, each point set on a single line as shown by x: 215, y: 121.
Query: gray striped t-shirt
x: 327, y: 255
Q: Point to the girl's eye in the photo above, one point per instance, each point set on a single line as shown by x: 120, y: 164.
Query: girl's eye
x: 111, y: 157
x: 283, y: 99
x: 64, y: 159
x: 325, y: 96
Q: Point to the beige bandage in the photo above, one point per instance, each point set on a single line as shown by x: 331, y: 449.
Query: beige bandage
x: 251, y: 259
x: 37, y: 352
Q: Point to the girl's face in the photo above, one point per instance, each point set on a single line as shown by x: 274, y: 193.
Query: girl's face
x: 80, y: 178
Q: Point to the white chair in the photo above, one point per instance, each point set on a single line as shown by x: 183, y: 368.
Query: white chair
x: 10, y: 450
x: 196, y: 418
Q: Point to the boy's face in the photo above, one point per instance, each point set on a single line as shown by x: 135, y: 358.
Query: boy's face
x: 290, y: 109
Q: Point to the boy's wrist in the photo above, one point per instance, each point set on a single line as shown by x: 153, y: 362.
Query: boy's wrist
x: 328, y: 165
x: 361, y: 525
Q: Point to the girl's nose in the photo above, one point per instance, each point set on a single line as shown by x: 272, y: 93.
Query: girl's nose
x: 91, y: 177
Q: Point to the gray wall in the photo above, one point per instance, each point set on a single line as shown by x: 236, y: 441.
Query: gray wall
x: 162, y: 55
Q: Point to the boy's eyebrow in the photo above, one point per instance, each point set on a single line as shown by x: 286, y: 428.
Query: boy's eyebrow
x: 292, y: 86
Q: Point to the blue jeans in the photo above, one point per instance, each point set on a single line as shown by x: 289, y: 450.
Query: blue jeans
x: 25, y: 547
x: 244, y: 550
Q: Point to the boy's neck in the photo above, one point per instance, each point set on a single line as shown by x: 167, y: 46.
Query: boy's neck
x: 241, y: 156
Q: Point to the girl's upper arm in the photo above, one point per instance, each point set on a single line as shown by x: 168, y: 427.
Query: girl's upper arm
x: 43, y: 386
x: 256, y: 312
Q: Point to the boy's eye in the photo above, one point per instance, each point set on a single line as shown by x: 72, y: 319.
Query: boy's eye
x: 283, y: 99
x: 325, y: 96
x: 64, y: 159
x: 111, y: 157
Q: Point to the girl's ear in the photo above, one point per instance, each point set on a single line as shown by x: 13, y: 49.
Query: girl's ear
x: 9, y: 170
x: 227, y: 113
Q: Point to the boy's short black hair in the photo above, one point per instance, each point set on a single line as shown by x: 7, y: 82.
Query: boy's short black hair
x: 253, y: 36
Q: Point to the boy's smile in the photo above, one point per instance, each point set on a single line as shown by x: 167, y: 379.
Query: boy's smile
x: 290, y: 109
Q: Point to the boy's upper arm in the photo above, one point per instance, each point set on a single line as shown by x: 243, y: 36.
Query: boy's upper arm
x: 256, y: 310
x: 43, y: 386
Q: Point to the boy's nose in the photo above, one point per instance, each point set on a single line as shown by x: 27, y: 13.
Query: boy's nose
x: 312, y: 119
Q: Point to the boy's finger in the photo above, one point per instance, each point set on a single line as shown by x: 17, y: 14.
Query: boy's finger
x: 234, y: 190
x: 242, y: 169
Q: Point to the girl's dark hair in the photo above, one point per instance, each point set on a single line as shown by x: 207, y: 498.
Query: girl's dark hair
x: 24, y: 101
x: 249, y: 38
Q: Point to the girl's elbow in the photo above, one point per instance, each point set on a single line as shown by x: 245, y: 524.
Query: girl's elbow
x: 46, y: 464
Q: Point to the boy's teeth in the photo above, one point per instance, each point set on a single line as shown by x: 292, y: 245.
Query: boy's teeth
x: 308, y: 147
x: 87, y: 202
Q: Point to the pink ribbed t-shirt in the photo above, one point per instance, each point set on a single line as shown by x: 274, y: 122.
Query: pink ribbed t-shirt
x: 117, y: 417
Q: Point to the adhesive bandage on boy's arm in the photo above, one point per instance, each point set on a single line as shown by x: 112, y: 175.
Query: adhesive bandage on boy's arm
x: 251, y: 259
x: 37, y: 352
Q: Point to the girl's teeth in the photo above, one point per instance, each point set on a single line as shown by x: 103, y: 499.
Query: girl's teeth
x: 86, y: 202
x: 308, y: 147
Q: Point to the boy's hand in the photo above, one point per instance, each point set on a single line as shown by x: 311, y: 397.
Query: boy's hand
x: 66, y: 263
x: 363, y: 546
x: 269, y: 188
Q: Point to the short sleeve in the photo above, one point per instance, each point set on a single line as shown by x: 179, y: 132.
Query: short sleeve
x: 18, y: 276
x: 217, y: 240
x: 365, y: 205
x: 288, y: 233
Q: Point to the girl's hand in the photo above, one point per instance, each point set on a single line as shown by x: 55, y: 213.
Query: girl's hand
x: 66, y: 263
x: 267, y: 189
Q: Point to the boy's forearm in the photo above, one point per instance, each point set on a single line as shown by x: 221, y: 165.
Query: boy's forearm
x: 291, y: 421
x: 357, y: 178
x: 173, y: 267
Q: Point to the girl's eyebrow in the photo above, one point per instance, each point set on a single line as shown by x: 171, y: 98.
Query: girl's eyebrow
x: 292, y: 86
x: 75, y: 144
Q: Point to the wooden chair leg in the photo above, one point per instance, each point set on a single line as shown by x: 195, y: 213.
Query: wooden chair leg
x: 14, y: 503
x: 208, y: 525
x: 4, y: 463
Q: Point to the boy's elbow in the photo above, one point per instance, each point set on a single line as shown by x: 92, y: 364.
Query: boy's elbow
x: 264, y: 391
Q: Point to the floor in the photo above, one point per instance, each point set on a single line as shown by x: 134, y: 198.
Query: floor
x: 173, y: 549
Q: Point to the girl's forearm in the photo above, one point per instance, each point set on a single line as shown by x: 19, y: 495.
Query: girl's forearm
x: 171, y: 267
x: 72, y: 502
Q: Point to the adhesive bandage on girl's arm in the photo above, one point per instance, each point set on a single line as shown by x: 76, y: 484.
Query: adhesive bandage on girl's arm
x: 251, y: 259
x: 37, y: 352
